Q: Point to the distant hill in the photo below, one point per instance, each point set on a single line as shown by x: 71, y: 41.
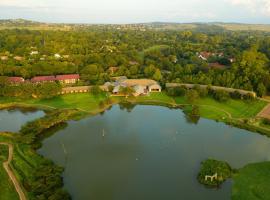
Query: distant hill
x: 205, y: 27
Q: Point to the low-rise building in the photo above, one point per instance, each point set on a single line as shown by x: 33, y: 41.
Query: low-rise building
x: 42, y: 79
x: 3, y: 58
x: 15, y: 80
x: 68, y: 79
x: 140, y: 86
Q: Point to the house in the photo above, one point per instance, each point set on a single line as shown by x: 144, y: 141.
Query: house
x: 154, y: 88
x: 34, y: 53
x: 140, y: 90
x: 204, y: 55
x: 42, y: 79
x: 18, y: 58
x: 140, y: 86
x: 57, y: 56
x: 15, y: 80
x: 217, y: 66
x: 3, y: 58
x: 68, y: 79
x: 113, y: 70
x: 133, y: 63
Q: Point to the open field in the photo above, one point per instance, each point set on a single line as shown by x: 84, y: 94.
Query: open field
x: 252, y: 182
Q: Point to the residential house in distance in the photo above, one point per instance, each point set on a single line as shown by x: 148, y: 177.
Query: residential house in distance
x: 205, y: 55
x: 57, y: 56
x: 18, y: 58
x: 113, y: 70
x: 15, y: 80
x: 43, y: 79
x: 68, y: 79
x: 140, y: 86
x: 32, y: 53
x: 4, y: 58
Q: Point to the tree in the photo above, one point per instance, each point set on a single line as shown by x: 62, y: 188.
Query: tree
x: 128, y: 91
x: 261, y: 90
x: 96, y: 90
x: 192, y: 96
x: 157, y: 76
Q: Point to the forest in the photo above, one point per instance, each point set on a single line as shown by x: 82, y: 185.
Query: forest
x: 236, y: 59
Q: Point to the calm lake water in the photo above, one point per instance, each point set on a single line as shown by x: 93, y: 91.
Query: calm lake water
x: 12, y: 120
x: 149, y: 153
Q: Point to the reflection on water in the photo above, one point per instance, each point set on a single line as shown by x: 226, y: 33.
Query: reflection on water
x: 11, y: 120
x: 148, y: 152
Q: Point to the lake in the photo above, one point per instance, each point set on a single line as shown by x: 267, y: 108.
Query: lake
x: 148, y: 153
x: 11, y: 120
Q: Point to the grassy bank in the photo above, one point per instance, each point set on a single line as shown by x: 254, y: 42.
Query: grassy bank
x: 252, y: 182
x: 7, y: 190
x: 90, y: 103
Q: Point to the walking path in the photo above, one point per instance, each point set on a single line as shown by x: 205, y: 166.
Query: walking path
x: 10, y: 172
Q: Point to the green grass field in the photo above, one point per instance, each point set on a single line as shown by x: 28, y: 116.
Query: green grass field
x: 252, y: 182
x: 7, y: 190
x: 89, y: 103
x: 235, y: 108
x: 85, y: 102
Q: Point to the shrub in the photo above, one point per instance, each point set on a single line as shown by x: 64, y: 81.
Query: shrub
x: 177, y: 91
x: 236, y: 95
x: 221, y: 95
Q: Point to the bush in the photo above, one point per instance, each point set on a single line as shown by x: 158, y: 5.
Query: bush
x: 221, y: 95
x: 211, y: 167
x: 236, y: 95
x: 176, y: 91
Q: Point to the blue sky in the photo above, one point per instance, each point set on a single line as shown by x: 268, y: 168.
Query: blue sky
x: 134, y: 11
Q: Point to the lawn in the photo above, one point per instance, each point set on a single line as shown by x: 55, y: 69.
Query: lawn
x: 252, y: 182
x: 89, y: 103
x: 236, y: 108
x: 83, y: 101
x: 156, y: 97
x: 7, y: 190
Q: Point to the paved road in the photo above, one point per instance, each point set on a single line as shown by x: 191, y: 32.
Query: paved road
x: 10, y: 172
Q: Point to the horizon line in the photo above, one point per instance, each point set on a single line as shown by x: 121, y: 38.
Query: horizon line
x: 134, y: 23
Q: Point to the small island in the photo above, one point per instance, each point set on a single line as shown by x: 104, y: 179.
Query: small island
x: 213, y: 172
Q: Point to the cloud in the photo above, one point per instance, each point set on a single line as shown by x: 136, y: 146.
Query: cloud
x: 254, y: 6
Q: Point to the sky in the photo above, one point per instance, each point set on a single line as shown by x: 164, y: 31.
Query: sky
x: 137, y: 11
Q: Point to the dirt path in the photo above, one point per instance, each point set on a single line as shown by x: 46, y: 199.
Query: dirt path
x: 10, y: 172
x: 265, y: 112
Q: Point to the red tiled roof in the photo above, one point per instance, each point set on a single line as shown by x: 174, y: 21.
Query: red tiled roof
x: 15, y: 79
x: 43, y: 78
x: 217, y: 66
x: 68, y: 76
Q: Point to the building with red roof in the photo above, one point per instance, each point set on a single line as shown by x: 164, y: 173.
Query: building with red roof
x: 15, y: 80
x: 68, y: 79
x: 42, y: 79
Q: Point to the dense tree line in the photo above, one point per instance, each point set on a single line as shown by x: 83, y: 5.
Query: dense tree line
x: 165, y: 56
